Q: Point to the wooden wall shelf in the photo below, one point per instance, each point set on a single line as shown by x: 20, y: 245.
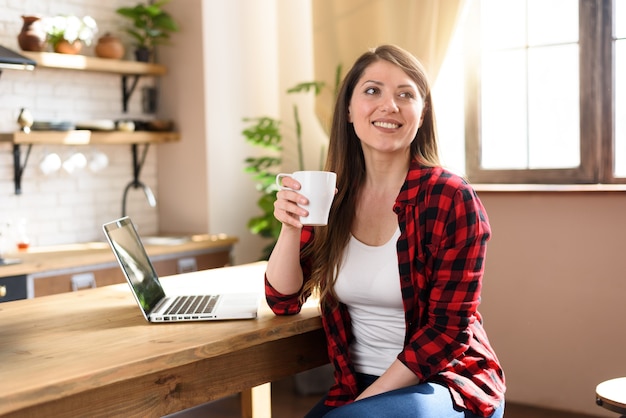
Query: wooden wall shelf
x: 83, y: 137
x: 85, y: 63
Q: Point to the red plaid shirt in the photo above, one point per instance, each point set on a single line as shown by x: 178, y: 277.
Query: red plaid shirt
x: 441, y: 250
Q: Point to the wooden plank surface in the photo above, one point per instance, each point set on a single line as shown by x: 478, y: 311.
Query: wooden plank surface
x: 92, y: 350
x: 172, y: 389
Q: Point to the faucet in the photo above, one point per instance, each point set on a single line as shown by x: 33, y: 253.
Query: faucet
x: 135, y: 183
x: 146, y: 190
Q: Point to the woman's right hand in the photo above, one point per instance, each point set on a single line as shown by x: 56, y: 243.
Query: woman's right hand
x: 286, y: 209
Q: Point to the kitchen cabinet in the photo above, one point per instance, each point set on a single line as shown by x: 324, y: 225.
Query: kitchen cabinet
x: 12, y: 288
x: 67, y: 280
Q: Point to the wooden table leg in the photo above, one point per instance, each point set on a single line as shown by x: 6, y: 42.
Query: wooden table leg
x: 257, y: 402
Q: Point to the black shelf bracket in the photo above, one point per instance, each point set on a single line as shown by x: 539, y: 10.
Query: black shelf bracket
x: 127, y: 90
x: 137, y: 162
x: 18, y: 166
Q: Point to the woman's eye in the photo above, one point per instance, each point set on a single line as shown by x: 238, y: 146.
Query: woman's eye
x: 407, y: 95
x: 371, y: 90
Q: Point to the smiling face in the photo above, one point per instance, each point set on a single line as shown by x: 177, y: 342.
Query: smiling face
x: 386, y: 108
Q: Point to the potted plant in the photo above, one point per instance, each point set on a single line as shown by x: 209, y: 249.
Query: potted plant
x: 151, y: 26
x: 264, y: 132
x: 67, y: 34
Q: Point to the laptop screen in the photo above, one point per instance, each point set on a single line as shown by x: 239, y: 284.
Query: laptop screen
x: 134, y: 260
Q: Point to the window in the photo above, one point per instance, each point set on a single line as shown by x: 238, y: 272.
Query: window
x: 544, y: 81
x: 619, y: 38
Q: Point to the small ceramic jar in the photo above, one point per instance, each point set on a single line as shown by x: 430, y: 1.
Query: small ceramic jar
x: 109, y: 46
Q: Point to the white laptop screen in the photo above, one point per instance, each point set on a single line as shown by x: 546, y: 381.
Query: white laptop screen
x: 135, y: 262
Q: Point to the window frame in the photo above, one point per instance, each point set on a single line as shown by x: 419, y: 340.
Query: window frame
x: 596, y: 105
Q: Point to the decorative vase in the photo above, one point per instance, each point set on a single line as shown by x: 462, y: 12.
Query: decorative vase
x: 65, y: 47
x: 32, y: 37
x: 109, y: 46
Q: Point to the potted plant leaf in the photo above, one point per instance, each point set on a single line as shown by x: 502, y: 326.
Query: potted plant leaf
x: 264, y: 132
x: 151, y: 26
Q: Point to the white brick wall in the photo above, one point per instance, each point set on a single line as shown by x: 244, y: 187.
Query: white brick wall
x: 62, y: 208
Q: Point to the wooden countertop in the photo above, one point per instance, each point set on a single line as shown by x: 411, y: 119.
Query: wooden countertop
x: 58, y: 257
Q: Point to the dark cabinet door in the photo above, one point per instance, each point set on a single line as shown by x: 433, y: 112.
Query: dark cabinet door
x: 12, y: 288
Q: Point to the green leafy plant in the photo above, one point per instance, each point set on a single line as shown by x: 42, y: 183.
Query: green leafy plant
x: 151, y: 24
x: 264, y: 132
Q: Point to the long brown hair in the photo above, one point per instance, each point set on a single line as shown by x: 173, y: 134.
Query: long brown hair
x: 345, y: 157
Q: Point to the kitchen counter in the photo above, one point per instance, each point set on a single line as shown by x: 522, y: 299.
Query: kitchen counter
x: 68, y: 256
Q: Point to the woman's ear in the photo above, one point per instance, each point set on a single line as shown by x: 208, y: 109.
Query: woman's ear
x: 422, y: 117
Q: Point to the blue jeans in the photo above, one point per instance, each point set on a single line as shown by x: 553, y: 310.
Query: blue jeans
x: 426, y: 400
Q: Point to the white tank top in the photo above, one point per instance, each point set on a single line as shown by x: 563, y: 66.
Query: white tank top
x: 368, y: 282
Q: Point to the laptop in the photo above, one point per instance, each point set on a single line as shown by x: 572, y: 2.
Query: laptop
x: 155, y: 305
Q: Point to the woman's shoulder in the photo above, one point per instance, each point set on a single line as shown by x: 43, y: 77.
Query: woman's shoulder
x: 424, y: 176
x: 424, y: 183
x: 437, y: 189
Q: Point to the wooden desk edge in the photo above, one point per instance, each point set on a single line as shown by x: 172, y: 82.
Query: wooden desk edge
x: 282, y: 330
x: 171, y: 390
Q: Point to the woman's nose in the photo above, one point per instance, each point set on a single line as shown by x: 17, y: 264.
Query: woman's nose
x: 388, y: 105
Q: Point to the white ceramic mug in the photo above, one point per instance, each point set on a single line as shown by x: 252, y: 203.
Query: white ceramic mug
x: 50, y: 163
x: 99, y: 161
x: 319, y: 188
x: 74, y: 162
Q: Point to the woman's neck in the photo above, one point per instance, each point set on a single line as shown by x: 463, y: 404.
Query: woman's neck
x: 386, y: 172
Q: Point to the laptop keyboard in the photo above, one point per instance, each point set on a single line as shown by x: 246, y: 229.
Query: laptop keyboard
x: 185, y: 305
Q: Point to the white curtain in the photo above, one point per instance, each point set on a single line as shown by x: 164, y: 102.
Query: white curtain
x: 344, y: 29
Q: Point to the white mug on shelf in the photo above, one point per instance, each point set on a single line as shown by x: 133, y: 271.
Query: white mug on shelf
x: 50, y: 163
x: 99, y: 161
x: 76, y: 161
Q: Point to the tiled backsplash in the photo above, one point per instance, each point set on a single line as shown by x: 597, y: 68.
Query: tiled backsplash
x: 61, y: 207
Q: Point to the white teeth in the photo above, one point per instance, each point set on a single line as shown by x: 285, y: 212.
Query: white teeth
x: 387, y: 125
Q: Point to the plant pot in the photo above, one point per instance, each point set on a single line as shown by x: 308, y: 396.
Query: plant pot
x: 143, y: 54
x: 65, y: 47
x: 109, y: 46
x: 32, y: 37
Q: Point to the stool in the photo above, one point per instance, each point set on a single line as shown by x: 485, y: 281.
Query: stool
x: 611, y: 394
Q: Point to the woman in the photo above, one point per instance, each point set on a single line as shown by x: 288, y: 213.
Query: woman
x: 398, y: 269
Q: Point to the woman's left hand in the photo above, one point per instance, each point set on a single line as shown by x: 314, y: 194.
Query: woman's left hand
x: 395, y: 377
